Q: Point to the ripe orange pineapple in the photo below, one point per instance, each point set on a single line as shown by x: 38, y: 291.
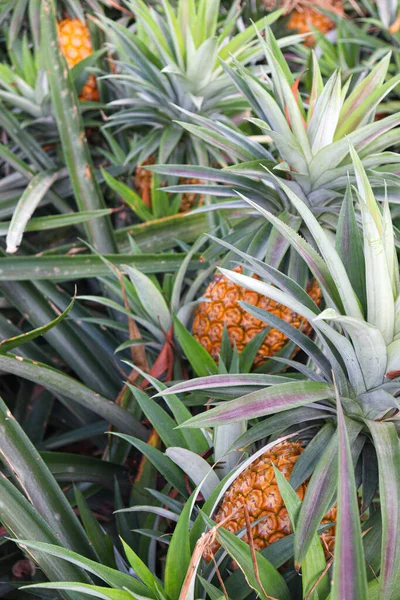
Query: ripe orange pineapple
x: 256, y: 488
x: 222, y: 308
x: 75, y: 44
x: 304, y: 14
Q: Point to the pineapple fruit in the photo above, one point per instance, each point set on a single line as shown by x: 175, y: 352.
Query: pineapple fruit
x: 143, y: 181
x: 356, y: 375
x: 256, y: 487
x: 76, y: 44
x: 221, y: 307
x: 304, y: 15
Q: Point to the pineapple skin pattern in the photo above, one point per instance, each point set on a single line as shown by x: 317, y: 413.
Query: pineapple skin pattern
x: 221, y: 307
x: 256, y: 487
x: 76, y: 44
x: 306, y: 16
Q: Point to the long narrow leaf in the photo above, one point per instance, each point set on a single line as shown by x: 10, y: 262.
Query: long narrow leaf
x: 64, y: 385
x: 65, y: 105
x: 27, y: 204
x: 275, y: 399
x: 349, y: 573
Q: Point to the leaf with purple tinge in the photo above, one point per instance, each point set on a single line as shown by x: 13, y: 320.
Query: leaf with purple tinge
x: 332, y: 155
x: 319, y: 494
x: 275, y: 399
x: 279, y: 423
x: 220, y: 381
x: 349, y: 572
x: 362, y: 98
x: 387, y: 448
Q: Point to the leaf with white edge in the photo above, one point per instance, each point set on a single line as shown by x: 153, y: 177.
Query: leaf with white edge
x: 223, y: 439
x: 349, y: 245
x: 330, y: 156
x: 390, y: 249
x: 30, y: 199
x: 314, y: 261
x: 195, y: 467
x: 349, y: 572
x: 368, y: 343
x: 151, y: 298
x: 328, y: 251
x: 95, y: 591
x: 221, y: 381
x: 156, y: 510
x: 365, y: 189
x: 387, y: 10
x: 393, y: 356
x: 321, y: 127
x: 380, y: 302
x: 360, y: 96
x: 289, y: 101
x: 275, y: 399
x: 316, y: 87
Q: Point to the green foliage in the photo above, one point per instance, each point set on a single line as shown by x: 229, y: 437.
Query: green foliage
x: 120, y: 435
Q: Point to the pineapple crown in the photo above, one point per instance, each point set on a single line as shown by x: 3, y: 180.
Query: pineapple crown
x: 310, y: 137
x: 170, y: 63
x: 359, y: 330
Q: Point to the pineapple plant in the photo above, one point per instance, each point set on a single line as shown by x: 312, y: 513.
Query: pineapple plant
x: 317, y: 434
x: 158, y: 74
x: 357, y: 356
x: 307, y: 142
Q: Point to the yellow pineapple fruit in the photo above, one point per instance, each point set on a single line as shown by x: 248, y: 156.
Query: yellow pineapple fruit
x: 304, y: 14
x: 76, y: 44
x: 221, y: 307
x: 256, y: 488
